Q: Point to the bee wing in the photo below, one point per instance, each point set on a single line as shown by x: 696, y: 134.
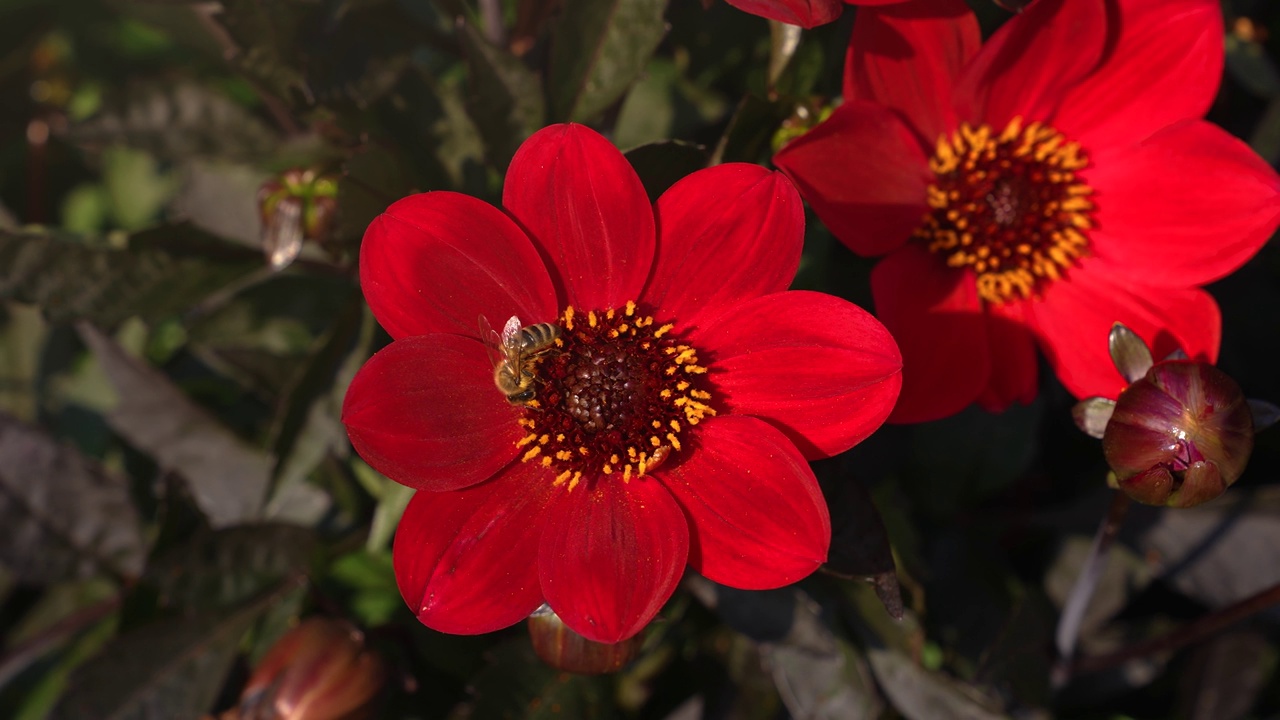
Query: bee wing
x: 511, y: 335
x: 492, y: 342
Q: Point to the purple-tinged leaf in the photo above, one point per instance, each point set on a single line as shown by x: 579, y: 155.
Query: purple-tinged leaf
x: 61, y: 515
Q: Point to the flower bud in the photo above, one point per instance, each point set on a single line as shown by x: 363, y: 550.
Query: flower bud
x: 296, y: 205
x: 564, y: 649
x: 1180, y: 435
x: 319, y: 670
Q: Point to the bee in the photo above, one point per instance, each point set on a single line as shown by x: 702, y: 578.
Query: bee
x: 513, y: 353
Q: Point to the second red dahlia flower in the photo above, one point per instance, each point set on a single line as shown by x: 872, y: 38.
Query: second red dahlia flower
x: 671, y: 420
x: 1035, y: 189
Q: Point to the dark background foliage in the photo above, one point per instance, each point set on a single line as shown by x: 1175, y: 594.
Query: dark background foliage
x: 176, y: 489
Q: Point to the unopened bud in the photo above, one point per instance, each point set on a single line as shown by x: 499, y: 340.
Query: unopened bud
x: 296, y: 205
x: 1180, y: 435
x: 564, y: 649
x: 319, y: 670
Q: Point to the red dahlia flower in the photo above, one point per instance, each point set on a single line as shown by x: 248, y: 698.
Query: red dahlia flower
x: 1035, y: 189
x: 805, y: 13
x: 671, y: 420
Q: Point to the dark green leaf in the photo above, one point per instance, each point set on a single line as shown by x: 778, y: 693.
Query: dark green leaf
x: 177, y: 122
x: 165, y: 271
x: 168, y: 669
x: 859, y: 542
x: 750, y: 132
x: 920, y: 694
x: 598, y: 48
x: 227, y: 477
x: 62, y: 516
x: 218, y: 569
x: 661, y: 164
x: 506, y: 97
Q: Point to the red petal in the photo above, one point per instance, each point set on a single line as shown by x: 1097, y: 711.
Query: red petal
x: 805, y: 13
x: 864, y: 172
x: 819, y: 368
x: 612, y: 553
x: 757, y: 518
x: 1165, y: 67
x: 467, y: 561
x: 1029, y: 64
x: 1013, y: 358
x: 424, y: 412
x: 727, y: 233
x: 1188, y: 206
x: 583, y: 205
x: 908, y: 56
x: 435, y: 262
x: 934, y: 313
x: 1075, y: 317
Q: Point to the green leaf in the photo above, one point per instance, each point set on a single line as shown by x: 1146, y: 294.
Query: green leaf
x: 661, y: 164
x: 178, y: 121
x: 598, y: 49
x: 747, y: 139
x: 219, y: 569
x: 61, y: 515
x: 172, y: 668
x: 227, y: 477
x: 506, y: 101
x: 165, y: 271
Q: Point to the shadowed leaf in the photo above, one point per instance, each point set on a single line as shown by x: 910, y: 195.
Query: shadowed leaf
x: 227, y: 477
x: 661, y: 164
x: 1225, y: 676
x: 505, y: 96
x: 598, y: 48
x: 1129, y: 352
x: 218, y: 569
x: 168, y: 669
x: 1092, y: 415
x: 177, y: 122
x: 165, y: 271
x: 62, y: 516
x: 516, y: 684
x: 859, y: 542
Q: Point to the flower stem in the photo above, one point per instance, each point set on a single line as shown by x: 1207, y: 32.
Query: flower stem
x: 1086, y: 583
x: 1183, y: 636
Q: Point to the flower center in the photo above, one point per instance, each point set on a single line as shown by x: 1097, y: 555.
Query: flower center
x: 1008, y: 205
x: 614, y: 396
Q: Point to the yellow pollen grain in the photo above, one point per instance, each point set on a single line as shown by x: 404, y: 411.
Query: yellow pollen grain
x: 562, y: 477
x: 532, y: 453
x: 682, y: 385
x: 630, y: 308
x: 573, y: 483
x: 564, y: 455
x: 591, y: 318
x: 663, y: 330
x: 583, y: 451
x: 675, y: 425
x: 526, y: 440
x: 607, y: 469
x: 544, y: 439
x: 626, y: 473
x: 559, y: 437
x: 568, y: 318
x: 546, y: 461
x: 614, y: 459
x: 623, y: 328
x: 671, y: 438
x: 665, y: 394
x: 655, y: 441
x: 609, y: 314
